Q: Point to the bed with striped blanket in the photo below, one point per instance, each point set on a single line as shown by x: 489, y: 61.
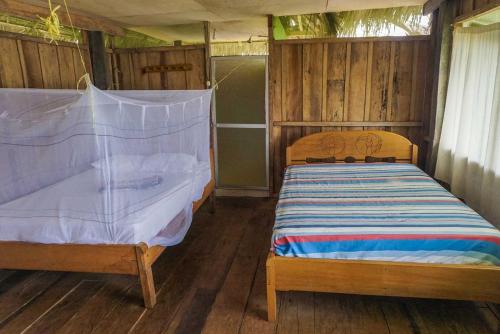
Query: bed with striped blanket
x: 380, y: 211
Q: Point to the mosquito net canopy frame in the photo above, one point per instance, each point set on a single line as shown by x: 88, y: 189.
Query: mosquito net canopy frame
x: 115, y: 167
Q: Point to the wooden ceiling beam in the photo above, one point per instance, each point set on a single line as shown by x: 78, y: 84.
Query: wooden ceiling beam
x: 80, y: 20
x: 431, y: 5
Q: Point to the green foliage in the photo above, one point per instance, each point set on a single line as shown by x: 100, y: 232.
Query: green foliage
x: 370, y: 22
x: 376, y: 21
x: 239, y: 48
x: 278, y: 28
x: 51, y: 24
x: 133, y: 39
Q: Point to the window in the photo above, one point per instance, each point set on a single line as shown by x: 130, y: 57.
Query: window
x: 397, y: 21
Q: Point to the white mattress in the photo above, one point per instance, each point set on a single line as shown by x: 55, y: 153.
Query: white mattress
x: 71, y: 211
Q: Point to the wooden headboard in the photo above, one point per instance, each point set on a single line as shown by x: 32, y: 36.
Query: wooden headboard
x: 357, y: 144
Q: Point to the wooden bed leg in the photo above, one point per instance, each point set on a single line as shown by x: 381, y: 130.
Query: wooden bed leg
x: 145, y: 276
x: 212, y: 202
x: 271, y: 288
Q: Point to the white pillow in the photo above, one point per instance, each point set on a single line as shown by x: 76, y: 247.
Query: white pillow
x: 120, y: 163
x: 136, y: 182
x: 169, y: 162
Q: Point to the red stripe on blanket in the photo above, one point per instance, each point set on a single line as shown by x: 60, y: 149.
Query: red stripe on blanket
x: 321, y: 238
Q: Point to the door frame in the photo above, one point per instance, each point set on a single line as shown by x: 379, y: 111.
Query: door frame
x: 241, y: 190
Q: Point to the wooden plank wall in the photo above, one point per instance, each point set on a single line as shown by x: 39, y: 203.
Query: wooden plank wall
x: 346, y: 80
x: 27, y: 62
x: 130, y: 64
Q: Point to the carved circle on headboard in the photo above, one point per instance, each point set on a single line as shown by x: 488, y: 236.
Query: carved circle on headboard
x: 368, y: 143
x: 333, y: 144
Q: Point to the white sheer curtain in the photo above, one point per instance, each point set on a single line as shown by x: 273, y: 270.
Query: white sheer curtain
x: 469, y: 150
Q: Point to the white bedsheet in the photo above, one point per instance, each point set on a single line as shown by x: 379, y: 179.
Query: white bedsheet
x: 71, y: 211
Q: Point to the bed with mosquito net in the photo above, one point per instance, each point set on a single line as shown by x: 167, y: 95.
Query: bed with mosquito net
x: 100, y: 181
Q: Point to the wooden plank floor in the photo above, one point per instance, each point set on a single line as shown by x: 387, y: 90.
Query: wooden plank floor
x: 214, y: 282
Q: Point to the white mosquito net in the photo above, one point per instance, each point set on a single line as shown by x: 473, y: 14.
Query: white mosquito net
x: 115, y: 167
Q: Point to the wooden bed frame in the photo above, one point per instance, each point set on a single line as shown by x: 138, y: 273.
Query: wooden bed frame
x: 404, y: 279
x: 133, y: 259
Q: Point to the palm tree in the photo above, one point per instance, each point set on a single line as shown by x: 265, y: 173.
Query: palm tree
x: 370, y: 22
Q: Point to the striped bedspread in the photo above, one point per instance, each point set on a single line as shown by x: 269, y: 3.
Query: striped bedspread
x: 381, y: 211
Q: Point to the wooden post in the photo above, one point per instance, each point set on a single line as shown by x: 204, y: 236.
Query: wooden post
x: 208, y: 54
x: 98, y: 59
x: 271, y: 288
x: 270, y: 112
x: 208, y: 84
x: 115, y: 70
x: 145, y: 276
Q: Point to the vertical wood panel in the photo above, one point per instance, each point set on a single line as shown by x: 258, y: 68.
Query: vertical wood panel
x: 125, y: 77
x: 467, y: 6
x: 390, y: 89
x: 414, y: 76
x: 336, y: 77
x: 196, y: 77
x: 380, y: 82
x: 163, y: 61
x: 347, y: 82
x: 480, y: 3
x: 11, y: 75
x: 88, y: 62
x: 324, y: 84
x: 22, y: 62
x: 401, y: 95
x: 291, y: 78
x: 80, y: 69
x: 368, y: 93
x: 109, y: 70
x: 312, y: 84
x: 154, y: 58
x: 141, y: 79
x: 357, y: 83
x: 66, y: 67
x: 291, y: 97
x: 421, y: 92
x: 49, y: 63
x: 176, y: 79
x: 33, y: 68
